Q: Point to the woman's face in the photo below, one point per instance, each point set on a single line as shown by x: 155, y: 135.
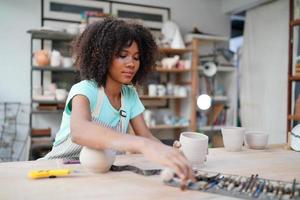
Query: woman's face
x: 125, y: 65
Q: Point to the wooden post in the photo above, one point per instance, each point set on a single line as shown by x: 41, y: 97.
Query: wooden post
x: 290, y: 68
x: 194, y: 84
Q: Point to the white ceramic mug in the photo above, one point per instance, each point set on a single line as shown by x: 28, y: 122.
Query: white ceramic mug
x: 195, y: 147
x: 55, y: 60
x: 233, y: 138
x: 161, y: 90
x: 152, y: 90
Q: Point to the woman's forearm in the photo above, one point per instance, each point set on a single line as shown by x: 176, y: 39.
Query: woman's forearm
x: 87, y: 133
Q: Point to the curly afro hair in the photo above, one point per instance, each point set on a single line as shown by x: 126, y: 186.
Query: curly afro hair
x: 96, y: 47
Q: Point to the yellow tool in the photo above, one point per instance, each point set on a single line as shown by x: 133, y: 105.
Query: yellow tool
x: 36, y: 174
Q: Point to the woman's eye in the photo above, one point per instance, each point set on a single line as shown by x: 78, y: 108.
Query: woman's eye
x: 136, y: 58
x: 122, y: 56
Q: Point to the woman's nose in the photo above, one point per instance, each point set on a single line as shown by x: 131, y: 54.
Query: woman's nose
x: 129, y: 62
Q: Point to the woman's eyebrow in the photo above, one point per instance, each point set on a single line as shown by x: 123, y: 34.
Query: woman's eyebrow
x: 126, y: 51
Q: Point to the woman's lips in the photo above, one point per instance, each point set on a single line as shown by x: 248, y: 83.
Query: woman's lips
x: 128, y: 74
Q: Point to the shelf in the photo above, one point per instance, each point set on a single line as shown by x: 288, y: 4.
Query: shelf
x: 48, y: 101
x: 295, y: 22
x: 211, y: 128
x: 220, y: 68
x: 47, y: 112
x: 220, y: 98
x: 50, y: 35
x: 174, y: 51
x: 174, y: 70
x: 294, y: 117
x: 59, y: 69
x: 161, y: 97
x: 162, y: 126
x: 189, y: 37
x: 294, y: 78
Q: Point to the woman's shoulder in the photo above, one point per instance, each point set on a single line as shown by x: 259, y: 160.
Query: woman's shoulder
x: 85, y: 84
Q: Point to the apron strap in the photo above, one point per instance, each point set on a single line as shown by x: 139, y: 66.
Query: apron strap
x: 122, y: 112
x: 96, y: 111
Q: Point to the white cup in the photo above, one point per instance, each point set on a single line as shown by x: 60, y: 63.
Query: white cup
x: 161, y: 90
x: 60, y: 94
x: 233, y: 138
x: 67, y: 62
x: 195, y: 147
x: 55, y: 60
x: 152, y: 90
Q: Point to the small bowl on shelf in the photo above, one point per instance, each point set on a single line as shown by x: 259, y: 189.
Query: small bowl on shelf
x: 256, y: 139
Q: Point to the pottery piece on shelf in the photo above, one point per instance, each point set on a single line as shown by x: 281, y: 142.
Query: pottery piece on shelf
x: 42, y: 57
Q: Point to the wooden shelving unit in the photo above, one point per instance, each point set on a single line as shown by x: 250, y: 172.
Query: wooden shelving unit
x: 175, y: 51
x: 227, y: 74
x: 176, y: 76
x: 40, y: 106
x: 163, y: 70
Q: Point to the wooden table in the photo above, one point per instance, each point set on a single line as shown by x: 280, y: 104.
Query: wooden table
x: 272, y: 163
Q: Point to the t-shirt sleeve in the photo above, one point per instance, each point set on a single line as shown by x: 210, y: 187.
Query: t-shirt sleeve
x: 82, y: 88
x: 137, y: 106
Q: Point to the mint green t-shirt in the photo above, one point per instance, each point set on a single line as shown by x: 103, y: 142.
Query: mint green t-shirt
x: 108, y: 114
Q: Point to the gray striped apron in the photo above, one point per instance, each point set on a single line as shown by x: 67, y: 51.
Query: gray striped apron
x: 68, y: 149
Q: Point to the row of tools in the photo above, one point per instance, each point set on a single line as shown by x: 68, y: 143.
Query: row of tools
x: 251, y: 187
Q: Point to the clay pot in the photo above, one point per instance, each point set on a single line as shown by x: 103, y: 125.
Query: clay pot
x: 97, y: 161
x: 42, y: 58
x: 233, y: 138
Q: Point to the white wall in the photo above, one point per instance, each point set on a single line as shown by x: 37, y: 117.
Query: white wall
x: 235, y: 6
x: 16, y: 17
x: 205, y: 14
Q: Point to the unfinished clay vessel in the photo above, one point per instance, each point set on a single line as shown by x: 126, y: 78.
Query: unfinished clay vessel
x: 98, y: 161
x: 233, y: 138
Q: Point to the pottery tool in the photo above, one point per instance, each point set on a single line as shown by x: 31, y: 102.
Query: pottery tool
x: 71, y: 161
x: 248, y: 183
x: 241, y: 187
x: 52, y: 173
x: 115, y: 168
x: 259, y: 189
x: 293, y: 189
x: 147, y: 172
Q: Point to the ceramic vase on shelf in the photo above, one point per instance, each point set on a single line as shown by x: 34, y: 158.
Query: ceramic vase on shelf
x: 42, y: 57
x: 55, y: 58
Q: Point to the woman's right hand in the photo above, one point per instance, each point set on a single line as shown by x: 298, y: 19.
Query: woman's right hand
x: 169, y: 157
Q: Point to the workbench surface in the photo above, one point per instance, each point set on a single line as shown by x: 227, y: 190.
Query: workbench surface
x: 272, y: 163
